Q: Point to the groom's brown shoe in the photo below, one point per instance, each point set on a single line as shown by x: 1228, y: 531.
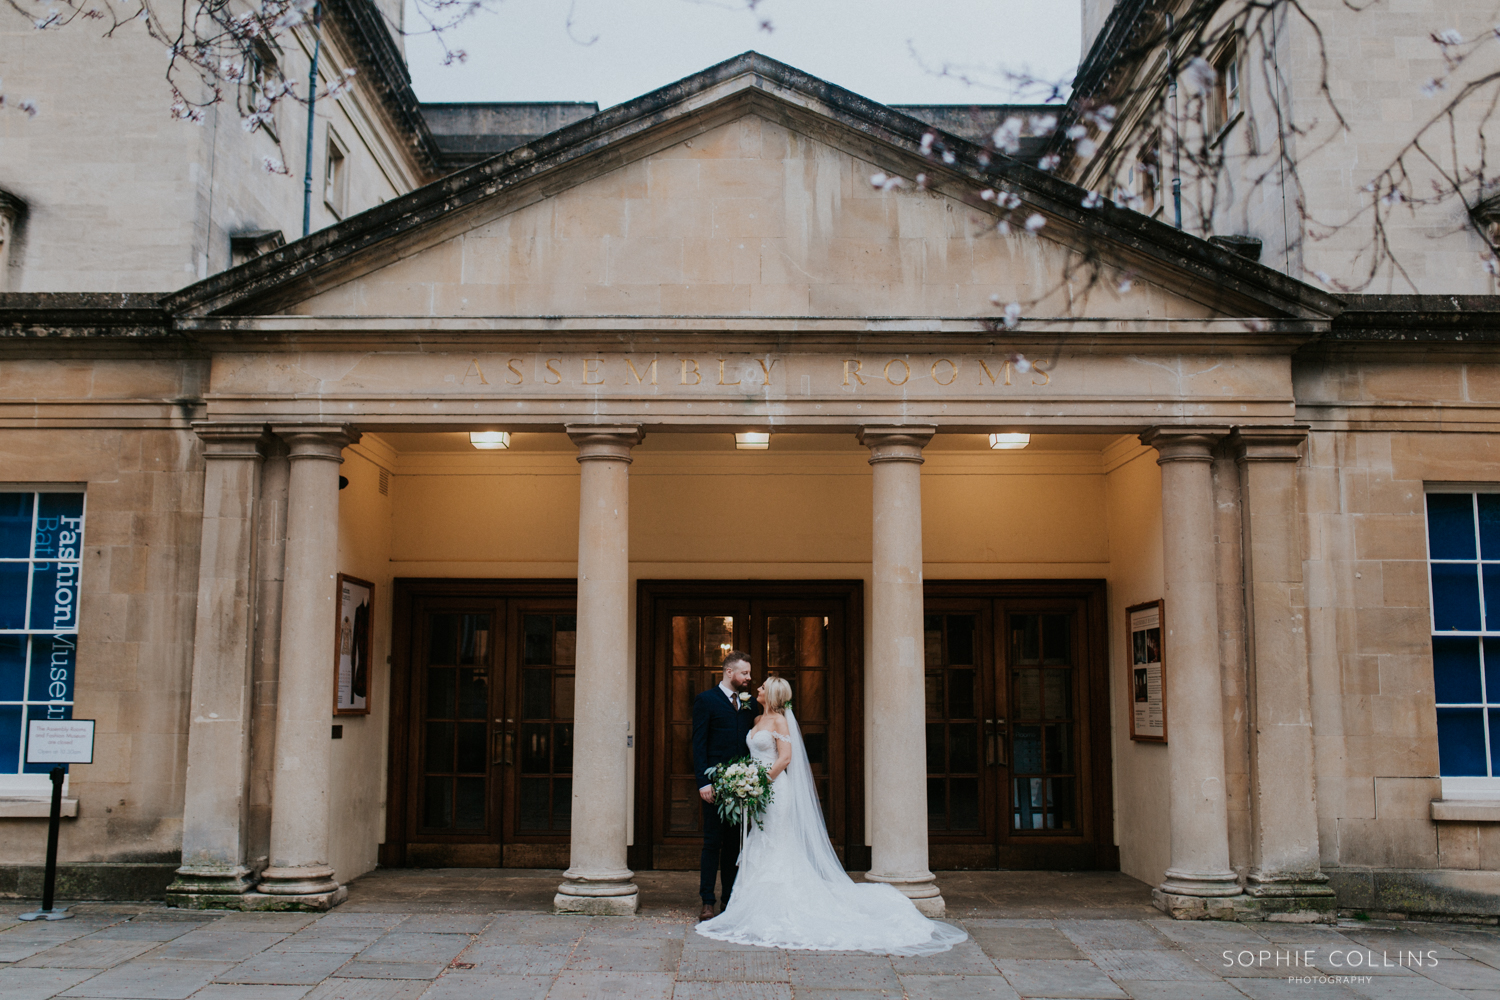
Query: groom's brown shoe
x: 707, y: 913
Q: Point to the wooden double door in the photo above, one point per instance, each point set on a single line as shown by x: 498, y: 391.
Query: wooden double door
x: 482, y: 685
x: 806, y: 632
x: 1017, y: 732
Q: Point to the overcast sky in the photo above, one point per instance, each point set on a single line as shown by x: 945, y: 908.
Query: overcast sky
x: 619, y: 49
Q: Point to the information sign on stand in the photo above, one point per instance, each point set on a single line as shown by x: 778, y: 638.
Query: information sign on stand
x: 56, y: 742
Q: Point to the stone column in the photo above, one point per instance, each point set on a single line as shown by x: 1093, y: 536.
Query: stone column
x: 1199, y: 871
x: 1284, y: 873
x: 215, y: 802
x: 898, y: 789
x: 299, y: 869
x: 597, y: 880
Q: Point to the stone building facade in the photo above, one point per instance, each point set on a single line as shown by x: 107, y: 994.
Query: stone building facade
x: 268, y: 458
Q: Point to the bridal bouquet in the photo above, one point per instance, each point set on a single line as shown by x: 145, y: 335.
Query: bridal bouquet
x: 742, y: 790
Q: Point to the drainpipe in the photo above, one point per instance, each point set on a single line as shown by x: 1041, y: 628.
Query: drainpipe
x: 312, y: 101
x: 1176, y: 138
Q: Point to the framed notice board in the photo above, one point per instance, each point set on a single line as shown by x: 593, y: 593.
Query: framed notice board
x: 356, y: 608
x: 1146, y: 662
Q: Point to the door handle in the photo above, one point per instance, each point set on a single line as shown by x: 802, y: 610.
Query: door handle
x: 994, y: 742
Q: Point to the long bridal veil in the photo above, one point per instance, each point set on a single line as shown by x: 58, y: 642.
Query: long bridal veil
x: 792, y: 890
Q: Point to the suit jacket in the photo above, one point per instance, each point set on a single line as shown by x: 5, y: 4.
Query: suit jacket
x: 719, y: 731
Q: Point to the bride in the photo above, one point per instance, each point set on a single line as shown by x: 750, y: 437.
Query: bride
x: 791, y: 891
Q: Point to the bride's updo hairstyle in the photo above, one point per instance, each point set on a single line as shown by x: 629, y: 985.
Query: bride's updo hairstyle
x: 778, y: 693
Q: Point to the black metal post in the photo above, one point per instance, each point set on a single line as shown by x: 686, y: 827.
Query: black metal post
x: 54, y: 822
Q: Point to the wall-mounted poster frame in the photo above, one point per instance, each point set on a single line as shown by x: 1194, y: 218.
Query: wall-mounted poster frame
x: 1146, y: 671
x: 352, y: 646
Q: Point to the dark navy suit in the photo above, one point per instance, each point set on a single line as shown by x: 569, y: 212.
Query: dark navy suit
x: 718, y: 737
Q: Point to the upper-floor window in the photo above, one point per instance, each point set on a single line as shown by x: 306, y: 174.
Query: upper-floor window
x: 1463, y: 550
x: 1224, y: 104
x: 41, y: 542
x: 335, y: 176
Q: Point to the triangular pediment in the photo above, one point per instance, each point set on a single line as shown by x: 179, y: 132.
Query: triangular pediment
x: 747, y: 192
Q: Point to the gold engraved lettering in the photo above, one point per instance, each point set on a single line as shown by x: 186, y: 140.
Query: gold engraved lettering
x: 858, y: 367
x: 1036, y: 366
x: 474, y: 369
x: 1004, y: 369
x: 951, y: 377
x: 765, y: 368
x: 588, y: 370
x: 693, y: 371
x: 904, y: 365
x: 554, y: 371
x: 721, y: 375
x: 511, y: 364
x: 651, y: 368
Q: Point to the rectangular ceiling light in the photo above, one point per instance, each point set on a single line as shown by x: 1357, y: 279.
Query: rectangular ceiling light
x: 752, y: 441
x: 1009, y: 442
x: 489, y: 440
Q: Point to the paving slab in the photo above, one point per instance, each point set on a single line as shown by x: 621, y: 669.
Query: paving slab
x: 761, y: 965
x: 1208, y: 932
x: 217, y: 944
x: 148, y: 930
x: 1058, y: 978
x: 621, y: 954
x: 226, y: 991
x: 1461, y: 974
x: 517, y: 959
x: 964, y: 959
x: 919, y: 987
x: 343, y: 918
x: 612, y: 986
x: 1149, y: 965
x: 1281, y: 989
x: 391, y: 970
x: 448, y: 923
x: 732, y: 991
x: 534, y: 928
x: 484, y: 986
x: 1090, y: 935
x: 1022, y: 942
x: 835, y: 971
x: 39, y: 984
x: 148, y: 980
x: 1177, y: 990
x: 86, y: 953
x: 401, y: 946
x: 337, y: 938
x: 369, y: 989
x: 807, y: 993
x: 285, y: 923
x: 285, y: 968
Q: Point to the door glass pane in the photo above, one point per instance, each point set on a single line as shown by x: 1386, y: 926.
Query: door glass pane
x: 437, y: 803
x: 441, y: 685
x: 1043, y: 757
x: 471, y: 747
x: 439, y: 747
x: 952, y: 733
x: 469, y: 803
x: 698, y: 645
x: 473, y: 693
x: 544, y: 734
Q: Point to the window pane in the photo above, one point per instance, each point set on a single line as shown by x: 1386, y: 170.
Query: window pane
x: 932, y: 640
x: 934, y: 694
x: 961, y: 639
x: 54, y: 660
x: 536, y: 694
x: 474, y: 639
x: 963, y: 804
x: 963, y: 752
x: 15, y: 525
x: 1455, y: 670
x: 936, y: 754
x: 1455, y: 597
x: 440, y: 747
x: 937, y: 803
x: 1055, y: 639
x: 563, y: 709
x: 1450, y: 525
x: 1489, y: 525
x: 536, y: 756
x: 437, y: 803
x: 1028, y: 704
x: 1063, y: 812
x: 471, y: 747
x: 1494, y: 743
x: 440, y: 692
x: 1492, y: 669
x: 1058, y: 694
x: 473, y: 693
x: 533, y: 807
x: 12, y: 666
x: 538, y: 632
x: 442, y: 639
x: 562, y: 804
x: 1027, y: 750
x: 54, y: 595
x: 562, y: 748
x: 961, y: 694
x: 469, y: 804
x: 10, y: 739
x: 1025, y: 638
x: 13, y: 595
x: 1491, y: 575
x: 1461, y: 742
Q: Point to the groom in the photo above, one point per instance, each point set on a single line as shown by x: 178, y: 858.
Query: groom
x: 722, y: 716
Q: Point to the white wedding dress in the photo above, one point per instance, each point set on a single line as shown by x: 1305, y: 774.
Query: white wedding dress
x: 791, y: 890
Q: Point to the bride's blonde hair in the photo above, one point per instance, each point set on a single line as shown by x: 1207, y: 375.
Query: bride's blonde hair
x: 778, y: 693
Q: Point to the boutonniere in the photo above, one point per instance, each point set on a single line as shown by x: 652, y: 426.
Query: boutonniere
x: 743, y: 701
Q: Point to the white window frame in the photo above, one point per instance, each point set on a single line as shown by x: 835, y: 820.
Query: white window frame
x: 35, y: 786
x: 1469, y: 786
x: 335, y: 180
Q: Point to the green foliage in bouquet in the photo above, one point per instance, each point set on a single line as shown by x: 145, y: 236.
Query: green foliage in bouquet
x: 742, y: 788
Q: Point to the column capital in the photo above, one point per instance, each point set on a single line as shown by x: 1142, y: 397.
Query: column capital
x: 896, y: 444
x: 602, y: 442
x: 1268, y: 444
x: 1183, y: 444
x: 227, y: 440
x: 316, y: 441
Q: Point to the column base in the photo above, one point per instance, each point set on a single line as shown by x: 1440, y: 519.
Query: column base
x: 302, y: 880
x: 1183, y: 907
x: 1295, y: 898
x: 921, y: 888
x: 210, y: 887
x: 599, y: 894
x: 312, y: 902
x: 1211, y: 883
